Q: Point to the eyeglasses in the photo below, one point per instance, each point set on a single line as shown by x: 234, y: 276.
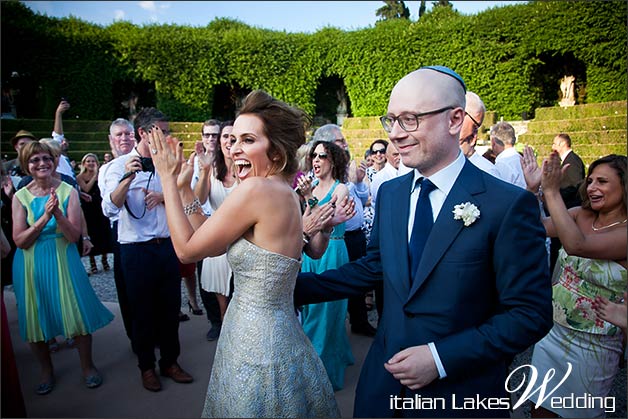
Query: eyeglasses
x: 476, y: 123
x: 380, y: 151
x: 408, y: 122
x: 37, y: 160
x: 204, y: 135
x: 321, y: 156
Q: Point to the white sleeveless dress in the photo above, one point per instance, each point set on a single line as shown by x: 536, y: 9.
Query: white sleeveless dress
x: 216, y: 272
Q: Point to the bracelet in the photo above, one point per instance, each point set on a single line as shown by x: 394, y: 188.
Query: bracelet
x: 306, y: 238
x: 85, y: 238
x: 312, y: 202
x: 192, y: 207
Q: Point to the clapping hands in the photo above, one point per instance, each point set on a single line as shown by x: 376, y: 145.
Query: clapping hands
x: 167, y: 152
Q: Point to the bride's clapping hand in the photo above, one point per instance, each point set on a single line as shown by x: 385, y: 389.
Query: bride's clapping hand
x: 167, y: 152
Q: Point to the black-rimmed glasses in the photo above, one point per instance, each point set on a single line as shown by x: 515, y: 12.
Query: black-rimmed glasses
x: 408, y: 122
x: 476, y: 123
x: 210, y: 135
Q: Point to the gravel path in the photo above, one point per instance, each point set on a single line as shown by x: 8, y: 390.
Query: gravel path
x: 105, y: 288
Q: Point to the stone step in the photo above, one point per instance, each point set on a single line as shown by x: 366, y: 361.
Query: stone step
x: 588, y: 110
x: 598, y: 123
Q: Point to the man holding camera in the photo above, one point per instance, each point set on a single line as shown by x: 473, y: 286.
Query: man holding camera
x: 149, y: 264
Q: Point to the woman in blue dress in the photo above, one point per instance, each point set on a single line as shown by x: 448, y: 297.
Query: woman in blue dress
x: 324, y: 323
x: 53, y: 294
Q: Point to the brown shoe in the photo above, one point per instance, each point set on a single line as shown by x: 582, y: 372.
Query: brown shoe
x: 177, y: 374
x: 150, y: 380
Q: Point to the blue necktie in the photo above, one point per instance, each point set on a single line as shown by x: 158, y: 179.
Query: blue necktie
x: 423, y: 222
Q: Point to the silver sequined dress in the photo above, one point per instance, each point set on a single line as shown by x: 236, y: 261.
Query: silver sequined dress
x: 265, y: 366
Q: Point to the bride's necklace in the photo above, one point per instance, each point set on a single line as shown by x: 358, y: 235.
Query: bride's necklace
x: 608, y: 226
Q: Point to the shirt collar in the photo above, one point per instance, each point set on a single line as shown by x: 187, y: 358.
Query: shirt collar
x: 443, y: 179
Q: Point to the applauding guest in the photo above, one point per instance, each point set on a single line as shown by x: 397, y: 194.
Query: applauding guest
x: 591, y: 264
x: 54, y: 296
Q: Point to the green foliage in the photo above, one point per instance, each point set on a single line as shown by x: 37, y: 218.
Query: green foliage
x: 512, y: 56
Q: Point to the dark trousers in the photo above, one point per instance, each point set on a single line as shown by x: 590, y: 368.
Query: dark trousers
x: 210, y: 302
x: 355, y: 241
x: 123, y: 299
x: 153, y: 284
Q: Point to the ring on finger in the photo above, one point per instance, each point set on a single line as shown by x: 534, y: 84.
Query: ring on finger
x: 153, y: 150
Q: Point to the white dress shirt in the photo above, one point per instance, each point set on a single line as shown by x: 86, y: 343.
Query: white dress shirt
x: 149, y: 224
x: 484, y: 164
x: 388, y: 172
x: 508, y: 163
x: 444, y: 180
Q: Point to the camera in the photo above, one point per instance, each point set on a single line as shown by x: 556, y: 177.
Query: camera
x: 147, y: 164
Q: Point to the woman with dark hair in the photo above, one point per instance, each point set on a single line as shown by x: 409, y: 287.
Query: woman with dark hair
x: 54, y: 296
x: 324, y: 323
x: 591, y: 264
x: 264, y: 364
x: 97, y: 223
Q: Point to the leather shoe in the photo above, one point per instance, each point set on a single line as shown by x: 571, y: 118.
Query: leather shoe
x: 150, y: 380
x: 365, y: 330
x: 177, y: 374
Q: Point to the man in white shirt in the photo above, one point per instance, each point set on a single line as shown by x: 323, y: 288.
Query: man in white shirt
x: 390, y: 170
x: 508, y: 161
x: 149, y: 264
x: 474, y: 116
x: 121, y: 141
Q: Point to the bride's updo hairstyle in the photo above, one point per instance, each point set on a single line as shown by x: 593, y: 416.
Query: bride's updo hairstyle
x: 284, y: 125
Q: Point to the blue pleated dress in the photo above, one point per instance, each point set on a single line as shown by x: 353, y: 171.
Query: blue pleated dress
x: 52, y: 290
x: 324, y: 323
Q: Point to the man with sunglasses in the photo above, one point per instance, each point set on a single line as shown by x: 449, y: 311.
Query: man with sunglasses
x: 462, y: 259
x: 474, y: 116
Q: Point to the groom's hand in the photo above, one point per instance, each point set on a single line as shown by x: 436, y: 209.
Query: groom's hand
x: 413, y: 367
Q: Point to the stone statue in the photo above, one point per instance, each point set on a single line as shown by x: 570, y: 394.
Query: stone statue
x: 567, y: 85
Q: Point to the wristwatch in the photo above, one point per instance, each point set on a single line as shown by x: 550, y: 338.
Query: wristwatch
x: 87, y: 238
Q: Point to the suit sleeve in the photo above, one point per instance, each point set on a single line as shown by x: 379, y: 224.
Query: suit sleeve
x: 523, y: 288
x: 351, y: 279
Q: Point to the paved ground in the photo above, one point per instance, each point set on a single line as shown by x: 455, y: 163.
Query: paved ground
x: 122, y: 394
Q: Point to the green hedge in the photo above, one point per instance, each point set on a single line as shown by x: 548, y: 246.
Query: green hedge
x: 512, y: 56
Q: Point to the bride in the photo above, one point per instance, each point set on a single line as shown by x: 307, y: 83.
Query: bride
x: 264, y: 365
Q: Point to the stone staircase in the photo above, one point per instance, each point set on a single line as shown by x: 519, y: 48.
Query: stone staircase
x: 596, y: 129
x: 84, y: 136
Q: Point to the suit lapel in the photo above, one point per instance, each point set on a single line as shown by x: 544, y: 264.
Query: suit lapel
x: 446, y: 229
x: 400, y: 210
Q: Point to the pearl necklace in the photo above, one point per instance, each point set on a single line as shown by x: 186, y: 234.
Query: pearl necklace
x: 608, y: 226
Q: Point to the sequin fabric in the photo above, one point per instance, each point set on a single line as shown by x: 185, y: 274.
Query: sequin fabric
x: 264, y: 365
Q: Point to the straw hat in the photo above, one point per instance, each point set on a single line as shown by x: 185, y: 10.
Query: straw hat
x: 21, y: 134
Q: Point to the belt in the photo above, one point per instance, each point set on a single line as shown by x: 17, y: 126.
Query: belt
x: 156, y: 240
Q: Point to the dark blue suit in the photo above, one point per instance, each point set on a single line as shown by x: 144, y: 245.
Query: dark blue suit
x: 482, y: 293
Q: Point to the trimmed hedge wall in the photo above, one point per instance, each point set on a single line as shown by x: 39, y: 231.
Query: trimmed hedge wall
x: 512, y: 56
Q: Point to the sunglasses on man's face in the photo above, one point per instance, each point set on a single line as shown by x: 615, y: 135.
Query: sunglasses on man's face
x: 321, y: 156
x: 380, y: 151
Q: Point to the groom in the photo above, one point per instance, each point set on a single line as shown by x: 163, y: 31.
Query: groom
x: 480, y: 292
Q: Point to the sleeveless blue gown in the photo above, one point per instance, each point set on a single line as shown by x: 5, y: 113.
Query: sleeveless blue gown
x: 324, y: 323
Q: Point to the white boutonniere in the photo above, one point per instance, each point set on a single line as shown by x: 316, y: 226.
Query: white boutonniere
x: 466, y: 212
